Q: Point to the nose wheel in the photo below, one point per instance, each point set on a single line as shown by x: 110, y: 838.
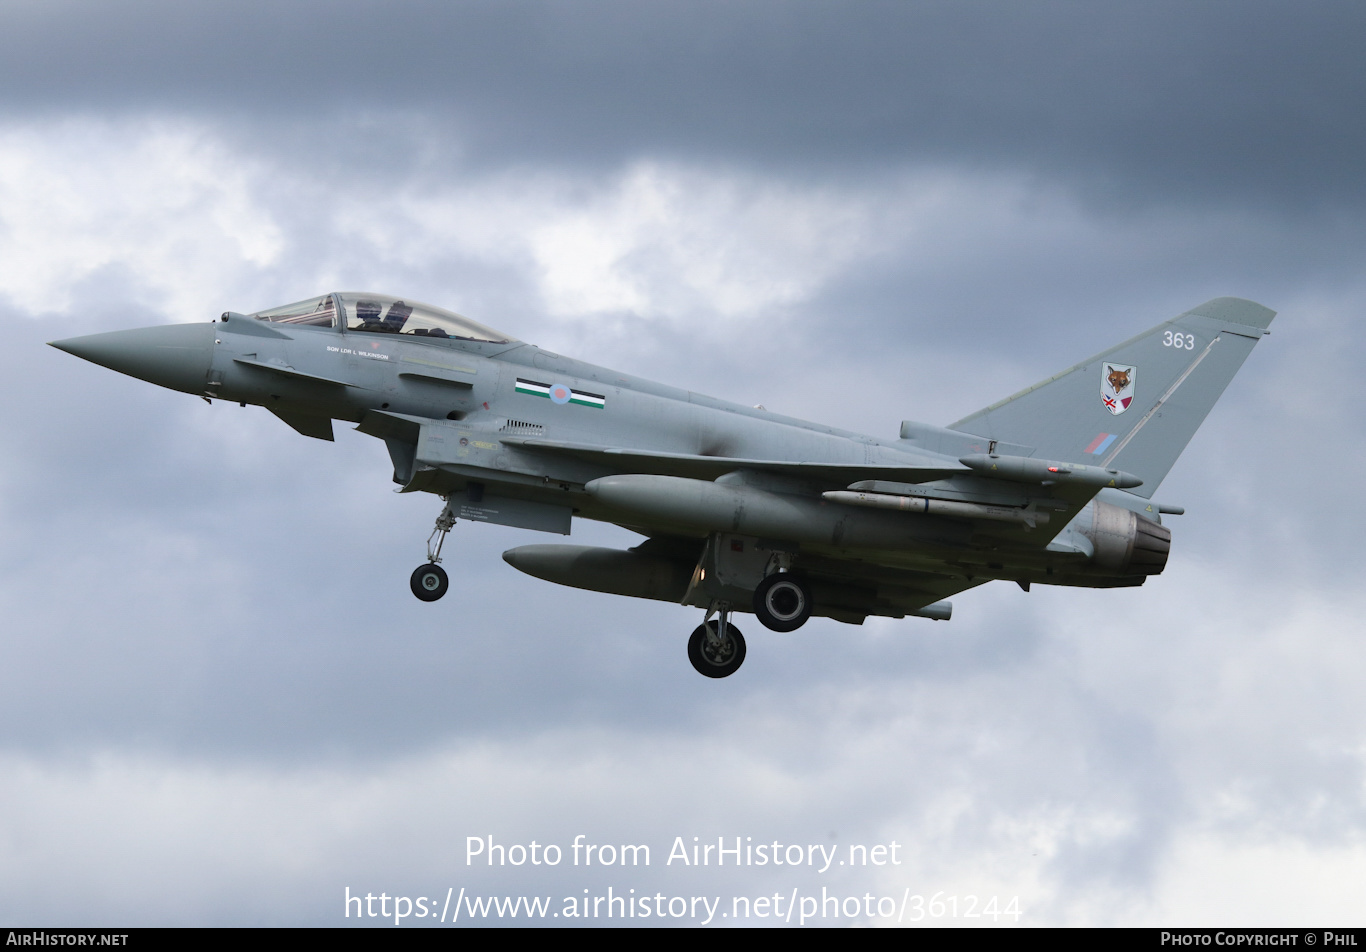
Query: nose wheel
x: 429, y: 582
x: 716, y: 648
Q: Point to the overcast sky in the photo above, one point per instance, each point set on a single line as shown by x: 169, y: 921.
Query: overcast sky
x: 219, y: 702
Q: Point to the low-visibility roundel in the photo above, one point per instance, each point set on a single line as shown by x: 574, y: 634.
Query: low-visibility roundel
x: 559, y: 393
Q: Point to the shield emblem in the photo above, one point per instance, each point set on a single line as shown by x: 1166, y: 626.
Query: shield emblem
x: 1117, y: 386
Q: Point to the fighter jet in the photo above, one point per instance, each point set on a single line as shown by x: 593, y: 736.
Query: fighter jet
x: 742, y: 510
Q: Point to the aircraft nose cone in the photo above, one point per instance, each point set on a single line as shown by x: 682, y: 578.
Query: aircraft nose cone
x: 177, y: 356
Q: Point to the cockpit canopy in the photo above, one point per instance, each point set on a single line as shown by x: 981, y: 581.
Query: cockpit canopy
x: 381, y: 314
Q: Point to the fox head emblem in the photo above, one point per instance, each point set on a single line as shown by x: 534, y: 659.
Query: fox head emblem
x: 1119, y: 379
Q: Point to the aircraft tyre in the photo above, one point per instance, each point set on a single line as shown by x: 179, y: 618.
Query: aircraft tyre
x: 429, y: 582
x: 716, y: 660
x: 783, y: 602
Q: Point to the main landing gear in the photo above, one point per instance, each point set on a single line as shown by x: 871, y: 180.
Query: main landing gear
x: 728, y: 568
x: 429, y: 582
x: 716, y: 648
x: 782, y: 601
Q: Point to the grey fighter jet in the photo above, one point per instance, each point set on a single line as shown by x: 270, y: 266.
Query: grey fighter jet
x: 741, y: 509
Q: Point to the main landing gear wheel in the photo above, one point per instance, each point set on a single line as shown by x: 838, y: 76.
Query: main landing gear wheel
x: 712, y: 656
x: 429, y: 582
x: 782, y: 602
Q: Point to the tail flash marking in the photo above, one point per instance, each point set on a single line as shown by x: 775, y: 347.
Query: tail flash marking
x: 1101, y: 443
x: 1158, y: 405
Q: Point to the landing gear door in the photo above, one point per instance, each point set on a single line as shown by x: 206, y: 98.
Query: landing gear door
x: 731, y: 567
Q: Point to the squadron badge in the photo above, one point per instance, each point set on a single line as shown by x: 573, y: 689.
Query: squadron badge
x: 1117, y: 386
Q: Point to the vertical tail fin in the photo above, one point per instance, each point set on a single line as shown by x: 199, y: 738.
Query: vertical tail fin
x: 1135, y: 406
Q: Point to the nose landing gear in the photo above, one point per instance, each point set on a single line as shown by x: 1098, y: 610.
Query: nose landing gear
x: 429, y: 582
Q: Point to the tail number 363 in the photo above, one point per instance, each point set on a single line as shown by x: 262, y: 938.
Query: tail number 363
x: 1179, y: 341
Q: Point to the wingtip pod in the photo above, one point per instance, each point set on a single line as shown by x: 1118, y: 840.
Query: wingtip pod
x: 1026, y: 469
x: 938, y: 611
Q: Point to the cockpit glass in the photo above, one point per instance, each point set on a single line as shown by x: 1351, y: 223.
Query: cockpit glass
x: 378, y: 314
x: 318, y: 311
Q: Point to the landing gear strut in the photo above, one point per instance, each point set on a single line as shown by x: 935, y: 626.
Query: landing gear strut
x: 429, y: 582
x: 716, y: 648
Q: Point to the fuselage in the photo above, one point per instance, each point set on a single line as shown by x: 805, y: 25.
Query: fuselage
x: 476, y: 383
x: 522, y: 436
x: 742, y: 509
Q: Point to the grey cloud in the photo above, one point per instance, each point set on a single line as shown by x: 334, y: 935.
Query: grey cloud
x: 200, y: 589
x: 1207, y: 102
x: 204, y: 516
